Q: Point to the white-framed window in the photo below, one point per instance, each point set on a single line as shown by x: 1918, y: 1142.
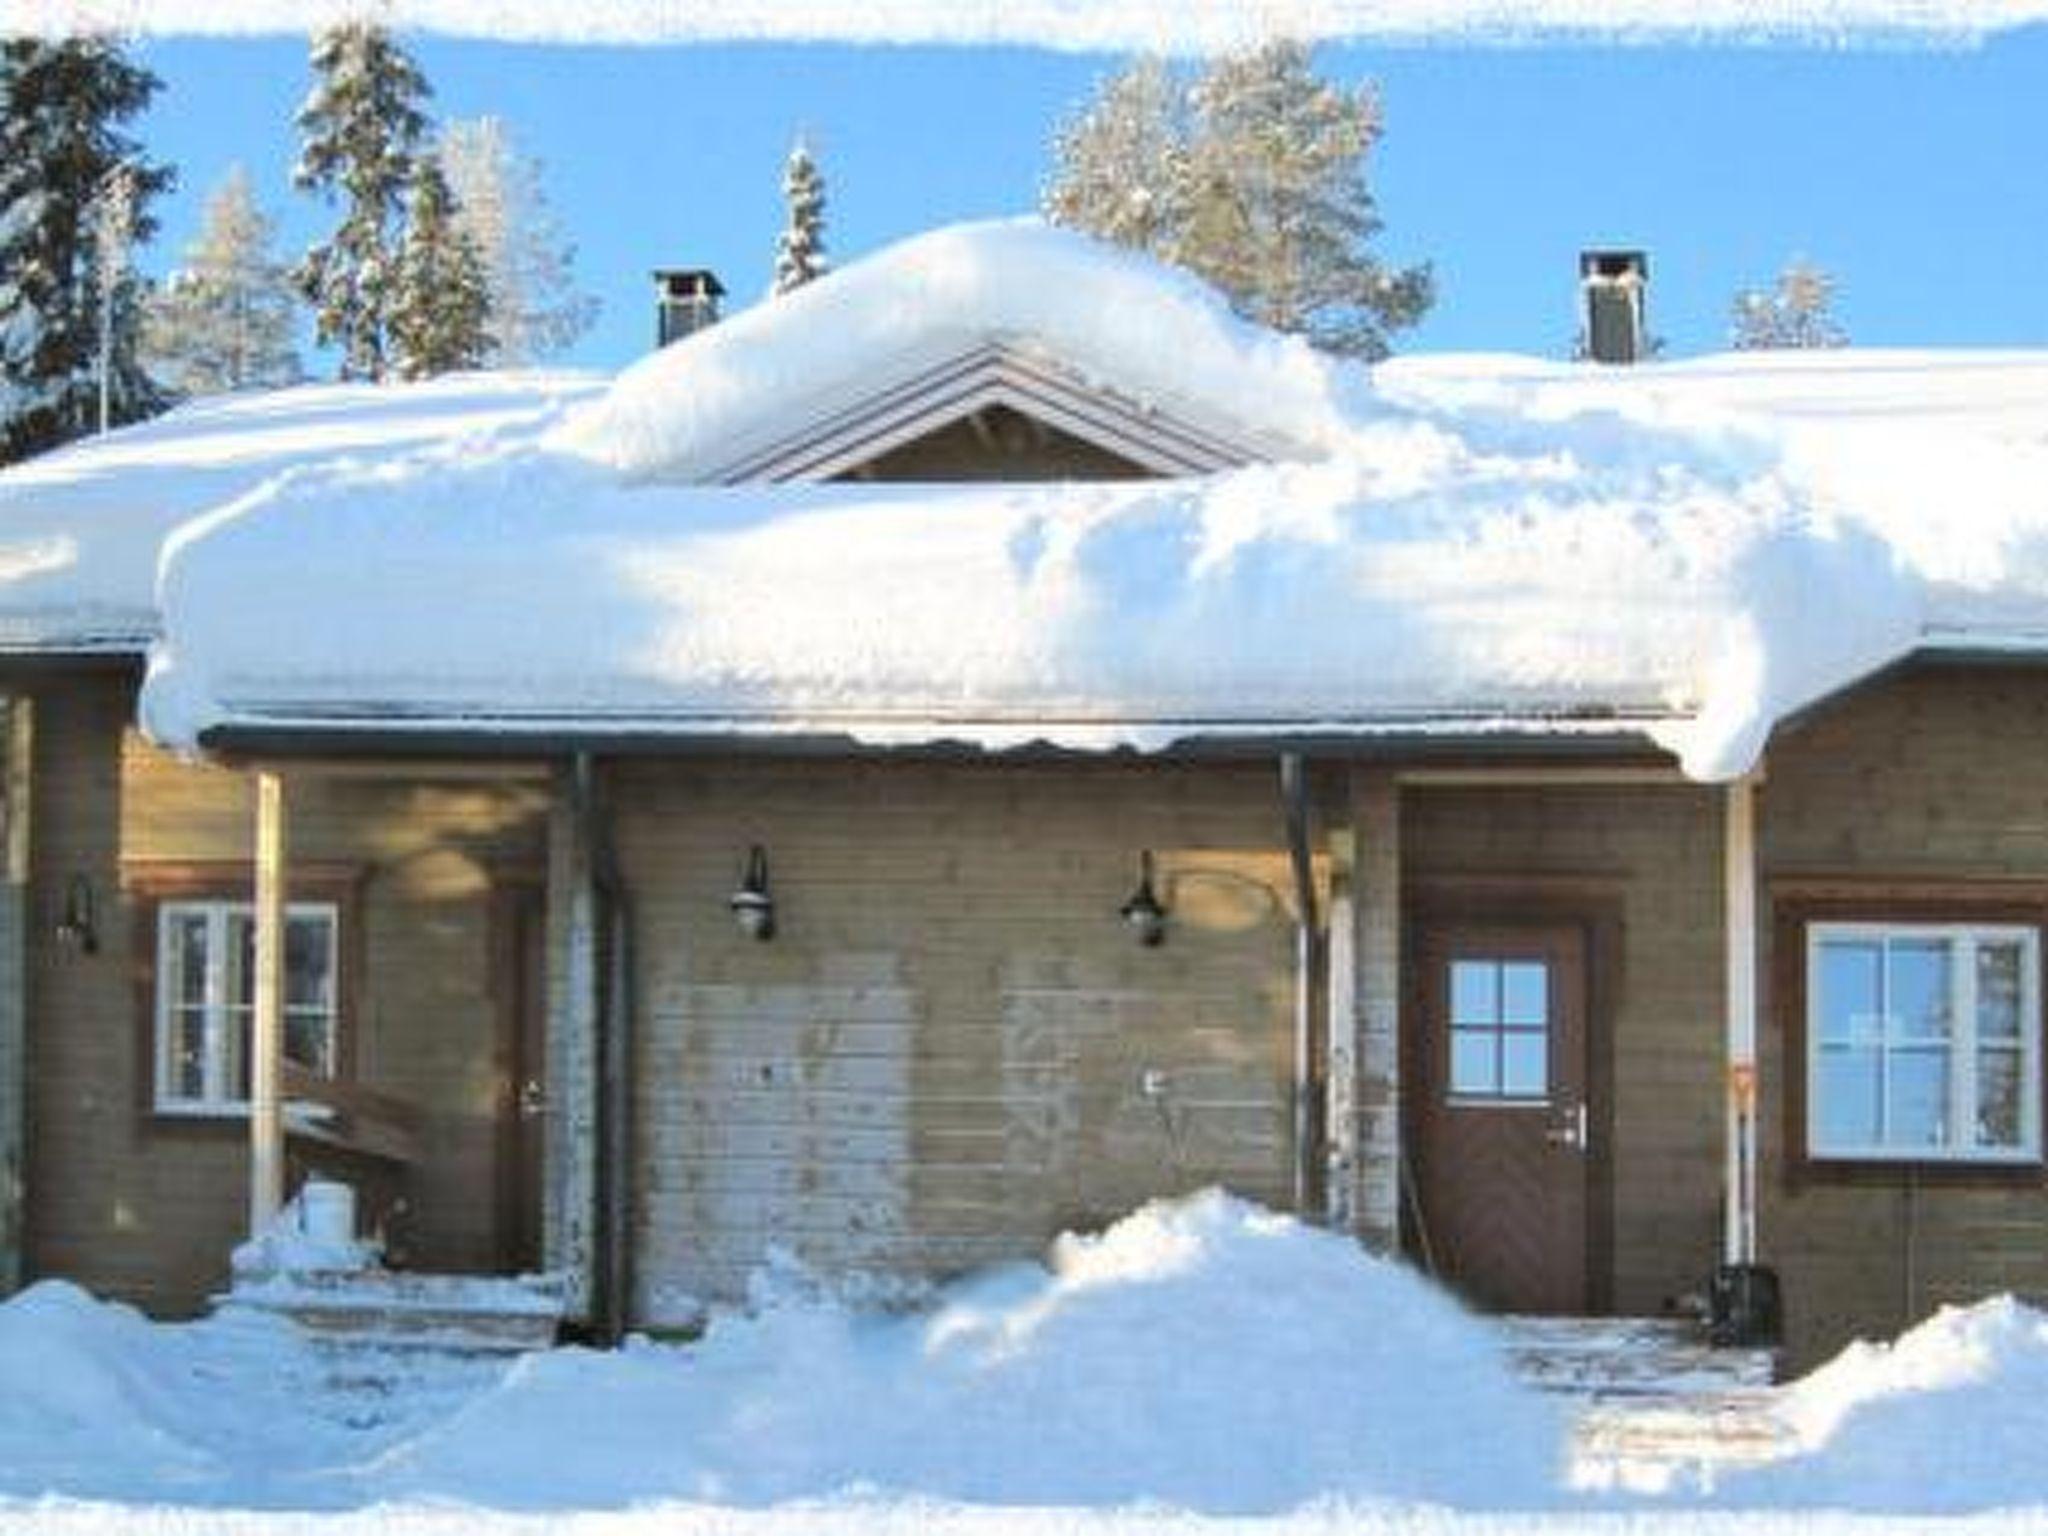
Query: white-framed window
x: 1923, y: 1042
x: 205, y: 999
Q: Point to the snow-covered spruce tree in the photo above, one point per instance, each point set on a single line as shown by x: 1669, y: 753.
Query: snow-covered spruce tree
x: 537, y: 311
x: 361, y: 126
x: 62, y: 105
x: 1252, y: 174
x: 1797, y: 313
x: 225, y: 319
x: 800, y: 248
x: 440, y: 298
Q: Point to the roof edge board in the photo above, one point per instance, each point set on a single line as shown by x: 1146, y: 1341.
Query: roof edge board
x: 926, y: 400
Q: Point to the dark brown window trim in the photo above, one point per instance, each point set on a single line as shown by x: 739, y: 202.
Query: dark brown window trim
x: 1796, y: 901
x: 147, y: 883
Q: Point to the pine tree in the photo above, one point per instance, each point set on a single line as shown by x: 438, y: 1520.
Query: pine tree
x: 537, y: 311
x: 225, y: 319
x: 1252, y: 174
x: 800, y: 249
x: 1797, y: 313
x: 362, y: 128
x: 440, y: 298
x: 63, y: 239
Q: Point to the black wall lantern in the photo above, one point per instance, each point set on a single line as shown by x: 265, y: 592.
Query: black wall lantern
x: 76, y: 929
x: 752, y: 907
x: 1144, y: 914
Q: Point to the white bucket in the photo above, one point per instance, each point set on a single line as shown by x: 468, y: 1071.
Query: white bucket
x: 327, y: 1212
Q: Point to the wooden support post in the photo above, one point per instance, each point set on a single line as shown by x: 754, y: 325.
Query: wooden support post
x: 1739, y: 1244
x: 18, y: 747
x: 1340, y: 1111
x: 570, y: 1139
x: 266, y: 1035
x: 1376, y: 897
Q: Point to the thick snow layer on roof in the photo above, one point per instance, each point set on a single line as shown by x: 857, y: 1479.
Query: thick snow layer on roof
x: 81, y: 529
x: 1694, y: 550
x: 1470, y: 545
x: 1126, y: 324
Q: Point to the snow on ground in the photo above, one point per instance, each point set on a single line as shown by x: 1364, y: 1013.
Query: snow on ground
x: 1202, y: 1365
x: 1095, y: 25
x: 1951, y: 1416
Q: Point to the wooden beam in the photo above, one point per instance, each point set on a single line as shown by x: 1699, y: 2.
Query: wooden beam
x: 14, y: 916
x: 1376, y: 897
x: 1547, y: 776
x: 570, y: 1137
x: 424, y: 770
x: 1739, y: 1244
x: 1340, y: 1015
x: 266, y: 1035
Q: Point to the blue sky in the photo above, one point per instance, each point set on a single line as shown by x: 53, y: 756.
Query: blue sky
x: 1918, y: 176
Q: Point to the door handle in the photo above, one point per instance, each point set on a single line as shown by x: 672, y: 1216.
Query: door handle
x: 1571, y: 1128
x: 533, y: 1099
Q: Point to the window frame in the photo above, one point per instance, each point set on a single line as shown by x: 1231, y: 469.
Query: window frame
x: 1799, y: 902
x: 1961, y: 1046
x: 151, y: 885
x: 219, y: 1011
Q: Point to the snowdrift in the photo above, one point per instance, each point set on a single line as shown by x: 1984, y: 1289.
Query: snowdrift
x: 1203, y: 1354
x: 1949, y: 1418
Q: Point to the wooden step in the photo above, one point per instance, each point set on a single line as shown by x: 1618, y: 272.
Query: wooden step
x: 1650, y: 1397
x: 396, y: 1310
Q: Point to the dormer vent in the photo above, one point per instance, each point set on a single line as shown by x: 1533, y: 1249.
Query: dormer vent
x: 1614, y: 314
x: 685, y: 301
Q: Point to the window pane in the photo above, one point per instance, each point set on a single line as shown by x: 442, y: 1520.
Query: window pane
x: 308, y: 976
x: 1473, y: 1068
x: 1998, y: 1098
x: 187, y: 1051
x: 1525, y: 1064
x: 1920, y: 988
x: 1998, y: 991
x: 1848, y: 1008
x: 186, y: 957
x: 306, y: 1041
x: 235, y: 1026
x: 1525, y: 992
x: 1846, y: 1108
x: 1919, y: 1099
x: 1475, y: 992
x: 241, y: 960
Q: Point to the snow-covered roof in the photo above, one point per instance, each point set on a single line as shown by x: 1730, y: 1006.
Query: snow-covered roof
x: 81, y: 529
x: 733, y: 401
x: 1479, y: 546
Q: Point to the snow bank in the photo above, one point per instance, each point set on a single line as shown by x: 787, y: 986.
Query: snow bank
x: 81, y: 529
x: 1127, y: 324
x: 1116, y: 26
x: 1951, y: 1417
x: 77, y: 1393
x: 1200, y: 1354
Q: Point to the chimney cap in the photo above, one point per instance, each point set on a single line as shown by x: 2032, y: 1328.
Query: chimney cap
x: 689, y: 282
x: 1613, y: 263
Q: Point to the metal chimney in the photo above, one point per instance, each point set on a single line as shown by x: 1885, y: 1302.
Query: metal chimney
x: 685, y: 301
x: 1613, y: 287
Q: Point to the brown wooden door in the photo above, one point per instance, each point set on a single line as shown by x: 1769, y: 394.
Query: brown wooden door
x: 1500, y: 1116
